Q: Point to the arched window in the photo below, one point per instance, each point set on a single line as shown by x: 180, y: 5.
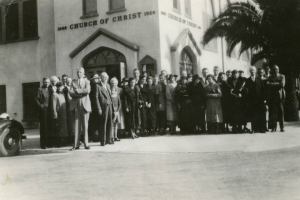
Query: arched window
x: 105, y: 60
x: 186, y: 62
x: 105, y: 57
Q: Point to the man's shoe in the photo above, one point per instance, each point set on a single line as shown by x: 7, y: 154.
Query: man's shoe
x: 102, y: 144
x: 74, y: 148
x: 282, y: 130
x: 117, y: 139
x: 88, y: 147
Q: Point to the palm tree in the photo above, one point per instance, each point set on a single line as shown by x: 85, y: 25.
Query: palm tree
x: 271, y: 28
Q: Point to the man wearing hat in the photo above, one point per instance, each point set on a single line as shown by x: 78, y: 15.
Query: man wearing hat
x: 93, y: 120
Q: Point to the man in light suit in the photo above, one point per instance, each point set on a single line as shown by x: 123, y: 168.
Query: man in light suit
x: 80, y: 102
x: 103, y: 101
x: 42, y: 101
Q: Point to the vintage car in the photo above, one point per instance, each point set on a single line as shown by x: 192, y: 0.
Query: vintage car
x: 11, y: 135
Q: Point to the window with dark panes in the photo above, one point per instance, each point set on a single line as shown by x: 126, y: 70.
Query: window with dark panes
x: 30, y: 113
x: 89, y: 7
x: 3, y: 99
x: 19, y: 20
x: 30, y: 19
x: 12, y: 22
x: 1, y: 25
x: 176, y: 5
x: 117, y: 4
x: 188, y: 11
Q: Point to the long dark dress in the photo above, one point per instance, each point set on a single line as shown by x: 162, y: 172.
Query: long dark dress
x: 185, y: 116
x: 225, y: 100
x: 132, y: 102
x: 151, y: 112
x: 143, y: 110
x: 198, y: 98
x: 256, y: 106
x: 237, y: 108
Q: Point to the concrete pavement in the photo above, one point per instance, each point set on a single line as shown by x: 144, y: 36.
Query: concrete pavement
x: 197, y: 143
x: 227, y: 166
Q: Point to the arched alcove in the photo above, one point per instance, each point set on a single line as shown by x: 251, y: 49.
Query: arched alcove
x: 104, y: 59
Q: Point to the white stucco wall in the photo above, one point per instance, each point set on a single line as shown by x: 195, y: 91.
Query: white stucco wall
x: 170, y: 29
x: 28, y: 61
x: 141, y: 31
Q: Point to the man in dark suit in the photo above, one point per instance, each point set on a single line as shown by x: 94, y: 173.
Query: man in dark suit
x: 103, y: 102
x: 80, y: 103
x: 256, y: 101
x: 42, y: 101
x: 94, y: 116
x: 276, y: 98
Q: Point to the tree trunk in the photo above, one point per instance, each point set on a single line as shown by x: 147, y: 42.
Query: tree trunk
x: 291, y: 112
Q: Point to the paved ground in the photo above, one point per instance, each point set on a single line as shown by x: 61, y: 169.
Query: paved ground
x: 227, y: 166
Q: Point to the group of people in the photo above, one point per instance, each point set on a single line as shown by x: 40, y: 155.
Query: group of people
x: 102, y: 110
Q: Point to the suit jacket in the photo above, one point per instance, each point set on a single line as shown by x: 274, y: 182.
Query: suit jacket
x: 102, y: 99
x: 82, y: 93
x: 42, y: 96
x: 256, y: 90
x: 276, y: 91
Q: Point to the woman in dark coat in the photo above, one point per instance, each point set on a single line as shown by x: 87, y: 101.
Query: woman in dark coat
x: 237, y: 107
x: 185, y: 115
x: 225, y: 100
x: 151, y: 106
x: 143, y: 90
x: 197, y: 94
x: 133, y: 103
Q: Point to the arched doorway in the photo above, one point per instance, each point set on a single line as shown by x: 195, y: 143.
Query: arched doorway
x: 186, y: 62
x: 106, y: 60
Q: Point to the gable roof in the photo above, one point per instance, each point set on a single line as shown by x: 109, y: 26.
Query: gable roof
x: 97, y: 33
x: 182, y: 35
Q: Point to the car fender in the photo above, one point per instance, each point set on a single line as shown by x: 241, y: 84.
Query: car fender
x: 4, y: 124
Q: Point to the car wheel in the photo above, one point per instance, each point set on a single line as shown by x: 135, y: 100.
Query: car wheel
x: 10, y: 142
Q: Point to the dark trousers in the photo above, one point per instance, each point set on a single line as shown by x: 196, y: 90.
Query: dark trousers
x: 258, y: 119
x: 161, y: 119
x: 92, y: 129
x: 276, y: 112
x: 43, y: 127
x: 106, y: 125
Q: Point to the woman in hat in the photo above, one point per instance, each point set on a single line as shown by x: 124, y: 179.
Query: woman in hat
x: 171, y: 104
x: 151, y: 106
x: 197, y: 94
x: 143, y: 90
x: 237, y: 101
x: 133, y: 103
x: 117, y: 107
x: 225, y: 100
x: 214, y: 114
x: 59, y: 111
x: 185, y: 107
